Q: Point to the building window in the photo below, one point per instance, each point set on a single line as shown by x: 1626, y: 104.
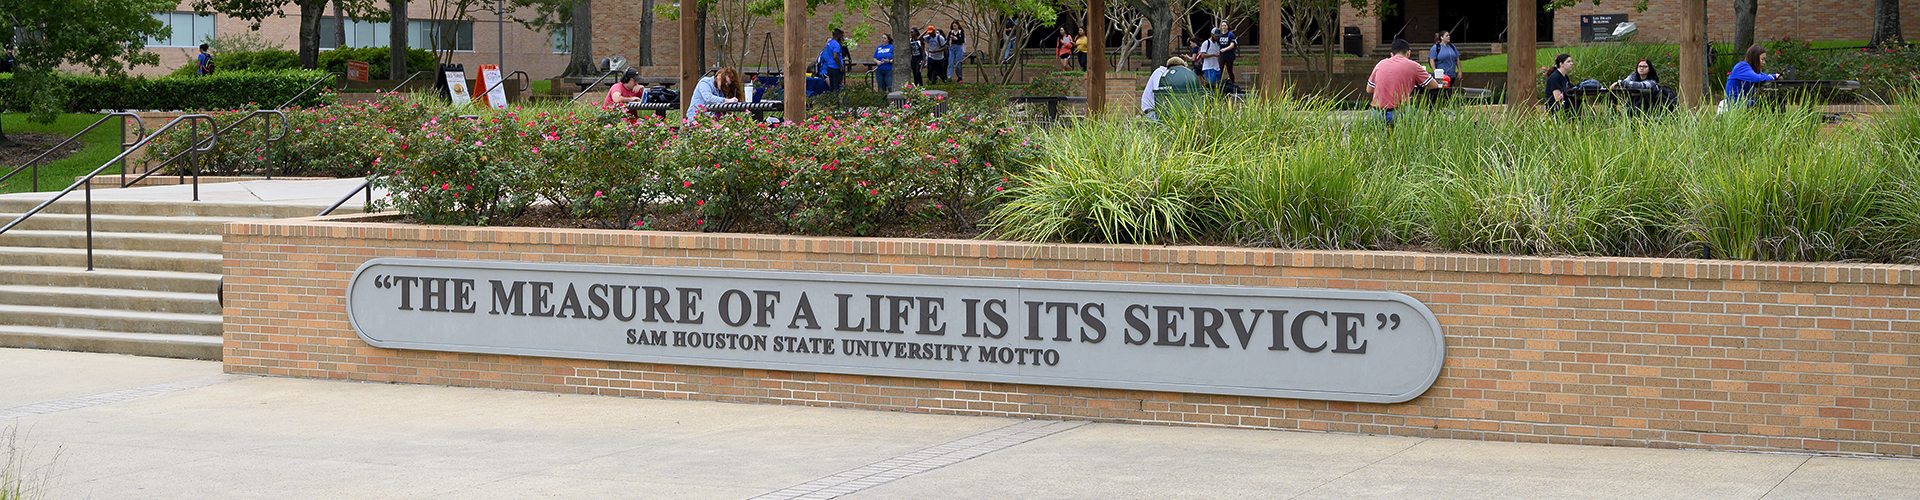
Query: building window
x: 421, y: 34
x: 438, y: 35
x: 189, y: 29
x: 563, y: 40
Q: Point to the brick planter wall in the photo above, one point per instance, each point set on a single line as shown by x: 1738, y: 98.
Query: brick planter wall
x: 1621, y: 352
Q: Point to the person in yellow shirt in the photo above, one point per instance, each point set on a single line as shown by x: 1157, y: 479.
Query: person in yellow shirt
x: 1082, y: 44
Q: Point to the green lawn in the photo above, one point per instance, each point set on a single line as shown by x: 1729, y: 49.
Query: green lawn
x: 1497, y: 63
x: 541, y: 87
x: 98, y: 147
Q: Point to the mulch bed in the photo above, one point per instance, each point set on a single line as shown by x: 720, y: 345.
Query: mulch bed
x: 28, y: 146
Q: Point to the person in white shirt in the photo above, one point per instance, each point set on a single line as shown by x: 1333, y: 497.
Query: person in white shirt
x: 1153, y: 84
x: 1210, y: 60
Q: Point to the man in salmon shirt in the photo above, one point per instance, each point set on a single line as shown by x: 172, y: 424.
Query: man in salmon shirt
x: 1394, y: 79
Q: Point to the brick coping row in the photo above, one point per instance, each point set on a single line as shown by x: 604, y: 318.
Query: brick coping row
x: 379, y: 226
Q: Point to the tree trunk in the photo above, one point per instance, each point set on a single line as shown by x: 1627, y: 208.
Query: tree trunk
x: 1158, y: 47
x: 645, y: 56
x: 899, y: 17
x: 339, y: 26
x: 580, y: 62
x: 1886, y: 22
x: 1743, y: 13
x: 4, y: 141
x: 397, y: 41
x: 701, y: 20
x: 1327, y: 22
x: 310, y: 13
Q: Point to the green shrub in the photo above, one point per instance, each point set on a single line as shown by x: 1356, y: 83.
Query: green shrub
x: 378, y: 60
x: 222, y: 90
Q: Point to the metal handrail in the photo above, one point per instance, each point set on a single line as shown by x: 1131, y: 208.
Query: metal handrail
x: 403, y: 83
x: 87, y: 180
x: 366, y: 185
x: 524, y: 78
x: 35, y: 162
x: 316, y: 83
x: 576, y: 97
x: 203, y: 146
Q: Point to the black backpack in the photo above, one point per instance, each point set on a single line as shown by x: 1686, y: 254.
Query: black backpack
x: 661, y: 95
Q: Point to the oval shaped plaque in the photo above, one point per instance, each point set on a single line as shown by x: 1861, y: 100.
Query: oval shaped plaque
x: 1338, y: 345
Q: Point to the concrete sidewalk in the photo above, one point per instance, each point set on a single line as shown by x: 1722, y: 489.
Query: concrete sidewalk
x: 129, y: 427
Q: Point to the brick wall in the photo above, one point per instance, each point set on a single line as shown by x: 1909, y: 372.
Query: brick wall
x: 1775, y: 19
x: 1618, y: 352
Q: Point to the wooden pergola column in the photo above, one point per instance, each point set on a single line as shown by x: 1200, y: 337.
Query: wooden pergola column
x: 1522, y: 43
x: 689, y: 52
x: 795, y: 100
x: 1097, y: 57
x: 1693, y: 53
x: 1271, y: 45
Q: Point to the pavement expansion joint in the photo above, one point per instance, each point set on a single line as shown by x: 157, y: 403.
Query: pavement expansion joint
x: 74, y: 403
x: 923, y: 460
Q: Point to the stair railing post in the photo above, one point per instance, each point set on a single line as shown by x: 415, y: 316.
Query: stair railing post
x: 194, y: 162
x: 89, y: 204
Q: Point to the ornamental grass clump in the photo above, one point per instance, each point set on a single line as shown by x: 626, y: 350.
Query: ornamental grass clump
x: 1775, y: 183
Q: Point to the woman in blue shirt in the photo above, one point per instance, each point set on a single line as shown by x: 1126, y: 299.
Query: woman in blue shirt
x: 1442, y: 56
x: 723, y: 86
x: 883, y: 74
x: 1745, y: 76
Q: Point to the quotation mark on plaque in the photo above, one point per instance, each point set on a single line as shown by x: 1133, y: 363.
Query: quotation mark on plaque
x: 1383, y: 318
x: 383, y: 281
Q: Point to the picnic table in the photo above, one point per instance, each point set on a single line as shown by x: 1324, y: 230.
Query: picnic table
x: 759, y: 108
x: 659, y: 108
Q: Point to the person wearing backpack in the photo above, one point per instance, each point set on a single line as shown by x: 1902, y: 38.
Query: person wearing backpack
x: 937, y: 45
x: 205, y: 61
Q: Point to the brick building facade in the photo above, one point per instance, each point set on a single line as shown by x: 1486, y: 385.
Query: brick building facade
x: 525, y: 49
x: 1775, y: 19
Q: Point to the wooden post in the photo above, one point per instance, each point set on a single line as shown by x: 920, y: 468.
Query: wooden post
x: 1097, y: 58
x: 1271, y: 48
x: 689, y: 53
x: 795, y: 48
x: 1693, y: 53
x: 1522, y: 43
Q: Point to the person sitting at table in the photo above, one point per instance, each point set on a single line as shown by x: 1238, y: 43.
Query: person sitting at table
x: 1559, y: 89
x: 1746, y: 76
x: 723, y: 86
x: 626, y: 90
x: 1644, y: 82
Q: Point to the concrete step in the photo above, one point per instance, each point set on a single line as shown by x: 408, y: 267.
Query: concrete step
x: 153, y: 242
x: 117, y: 279
x: 122, y: 223
x: 138, y: 344
x: 112, y: 259
x: 110, y: 298
x: 111, y: 320
x: 72, y: 204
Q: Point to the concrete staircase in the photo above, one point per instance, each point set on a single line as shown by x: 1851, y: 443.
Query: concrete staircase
x: 155, y: 284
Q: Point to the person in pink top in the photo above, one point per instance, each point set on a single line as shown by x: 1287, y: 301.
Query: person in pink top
x: 1394, y: 79
x: 628, y: 90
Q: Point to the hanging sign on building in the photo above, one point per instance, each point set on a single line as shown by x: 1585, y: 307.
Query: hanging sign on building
x: 1599, y: 27
x: 1338, y: 345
